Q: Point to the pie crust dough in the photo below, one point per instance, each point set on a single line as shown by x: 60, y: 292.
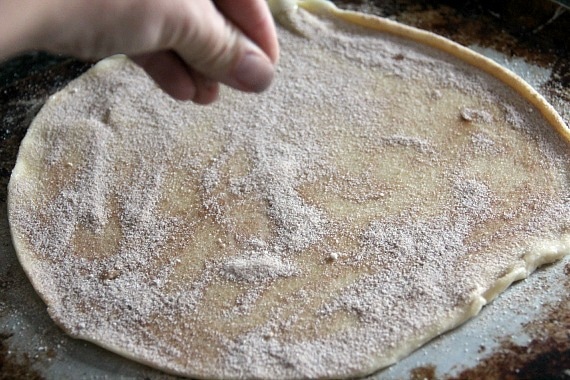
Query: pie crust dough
x: 387, y: 187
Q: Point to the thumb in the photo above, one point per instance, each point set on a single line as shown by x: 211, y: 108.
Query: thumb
x: 214, y: 47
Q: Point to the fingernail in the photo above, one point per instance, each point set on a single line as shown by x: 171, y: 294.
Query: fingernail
x: 254, y: 72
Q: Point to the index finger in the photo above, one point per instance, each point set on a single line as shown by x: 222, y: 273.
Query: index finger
x: 254, y: 19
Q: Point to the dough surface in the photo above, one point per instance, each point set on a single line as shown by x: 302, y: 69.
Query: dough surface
x: 380, y: 194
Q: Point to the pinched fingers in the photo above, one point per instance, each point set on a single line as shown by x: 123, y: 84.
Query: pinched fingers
x: 217, y: 48
x: 187, y: 46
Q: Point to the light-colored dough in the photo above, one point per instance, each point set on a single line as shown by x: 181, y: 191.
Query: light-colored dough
x: 384, y: 190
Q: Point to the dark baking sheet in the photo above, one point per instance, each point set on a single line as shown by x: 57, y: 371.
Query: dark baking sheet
x: 525, y: 333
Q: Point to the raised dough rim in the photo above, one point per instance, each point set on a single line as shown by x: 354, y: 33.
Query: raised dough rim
x: 546, y: 253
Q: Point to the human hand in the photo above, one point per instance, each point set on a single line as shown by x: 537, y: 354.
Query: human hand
x: 186, y: 46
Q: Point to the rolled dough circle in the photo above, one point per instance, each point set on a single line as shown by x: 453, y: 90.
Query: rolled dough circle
x: 387, y: 187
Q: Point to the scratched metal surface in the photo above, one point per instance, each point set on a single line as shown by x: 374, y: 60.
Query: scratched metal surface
x: 525, y: 333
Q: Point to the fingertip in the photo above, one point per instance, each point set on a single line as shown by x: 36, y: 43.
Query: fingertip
x: 274, y: 54
x: 207, y: 90
x: 253, y: 72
